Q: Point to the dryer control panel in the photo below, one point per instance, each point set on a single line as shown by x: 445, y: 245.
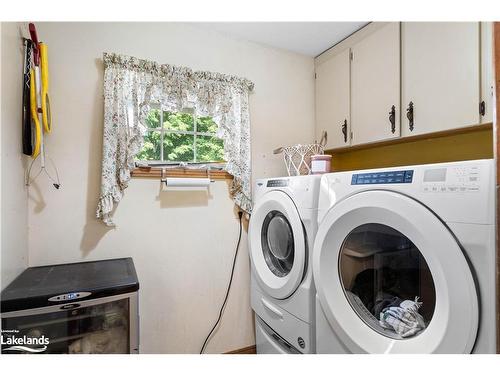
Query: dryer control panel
x: 390, y: 177
x: 277, y: 183
x: 456, y: 179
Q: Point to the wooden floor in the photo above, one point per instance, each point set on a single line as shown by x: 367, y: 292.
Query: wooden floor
x: 247, y: 350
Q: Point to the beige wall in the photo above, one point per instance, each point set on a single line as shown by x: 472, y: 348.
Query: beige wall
x: 14, y: 199
x: 182, y: 243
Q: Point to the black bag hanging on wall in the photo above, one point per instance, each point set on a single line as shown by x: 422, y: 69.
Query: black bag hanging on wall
x: 26, y: 125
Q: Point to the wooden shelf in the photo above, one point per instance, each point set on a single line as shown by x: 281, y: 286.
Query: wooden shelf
x: 155, y: 172
x: 474, y: 142
x: 395, y: 141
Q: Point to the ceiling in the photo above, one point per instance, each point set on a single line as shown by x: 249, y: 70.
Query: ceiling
x: 306, y: 38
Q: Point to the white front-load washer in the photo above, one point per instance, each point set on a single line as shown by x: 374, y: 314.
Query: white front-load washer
x: 390, y: 235
x: 281, y: 235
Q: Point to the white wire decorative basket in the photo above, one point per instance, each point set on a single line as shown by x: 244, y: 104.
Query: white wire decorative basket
x: 298, y: 158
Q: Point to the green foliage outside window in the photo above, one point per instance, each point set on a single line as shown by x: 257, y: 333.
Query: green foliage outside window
x: 185, y: 138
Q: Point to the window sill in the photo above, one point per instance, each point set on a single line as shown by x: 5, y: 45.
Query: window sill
x: 155, y: 172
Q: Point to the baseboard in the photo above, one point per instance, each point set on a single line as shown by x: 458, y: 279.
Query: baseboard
x: 246, y: 350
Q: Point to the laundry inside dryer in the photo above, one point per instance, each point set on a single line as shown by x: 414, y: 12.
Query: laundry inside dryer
x: 387, y: 281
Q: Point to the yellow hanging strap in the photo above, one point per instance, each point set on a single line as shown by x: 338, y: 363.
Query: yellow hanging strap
x: 44, y: 65
x: 34, y: 115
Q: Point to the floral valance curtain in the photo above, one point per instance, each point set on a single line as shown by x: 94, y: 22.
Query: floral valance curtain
x: 132, y: 86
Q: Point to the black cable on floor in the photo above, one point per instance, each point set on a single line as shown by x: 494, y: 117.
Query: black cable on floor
x: 240, y: 215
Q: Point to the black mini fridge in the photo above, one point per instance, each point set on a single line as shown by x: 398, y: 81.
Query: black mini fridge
x: 87, y: 308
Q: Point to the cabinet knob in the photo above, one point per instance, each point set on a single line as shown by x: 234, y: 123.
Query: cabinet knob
x: 409, y: 115
x: 392, y: 119
x: 344, y: 130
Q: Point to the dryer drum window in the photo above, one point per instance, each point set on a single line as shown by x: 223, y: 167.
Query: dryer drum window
x: 277, y: 243
x: 387, y: 281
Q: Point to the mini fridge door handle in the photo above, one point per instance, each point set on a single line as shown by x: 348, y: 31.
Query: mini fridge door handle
x: 70, y: 306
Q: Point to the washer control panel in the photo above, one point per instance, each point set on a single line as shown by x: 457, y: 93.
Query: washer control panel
x: 277, y: 183
x: 391, y: 177
x: 460, y: 179
x: 69, y: 296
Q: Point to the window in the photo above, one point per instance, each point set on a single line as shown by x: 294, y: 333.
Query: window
x: 174, y: 137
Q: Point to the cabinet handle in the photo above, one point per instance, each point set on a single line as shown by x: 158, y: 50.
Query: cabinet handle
x: 482, y: 108
x: 392, y: 119
x: 324, y: 138
x: 409, y: 115
x: 344, y: 130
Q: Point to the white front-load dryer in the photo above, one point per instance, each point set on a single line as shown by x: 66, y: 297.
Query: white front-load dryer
x: 281, y: 235
x: 423, y: 234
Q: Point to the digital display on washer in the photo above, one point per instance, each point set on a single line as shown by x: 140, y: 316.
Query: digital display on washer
x: 374, y: 178
x: 277, y: 183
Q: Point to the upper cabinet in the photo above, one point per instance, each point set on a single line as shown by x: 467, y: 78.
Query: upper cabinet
x: 404, y: 79
x: 440, y: 65
x: 487, y: 81
x: 332, y: 100
x: 375, y: 85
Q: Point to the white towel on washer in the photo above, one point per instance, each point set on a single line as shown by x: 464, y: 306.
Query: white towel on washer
x: 403, y: 319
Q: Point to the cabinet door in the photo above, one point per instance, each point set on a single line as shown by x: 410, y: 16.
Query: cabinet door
x: 332, y: 100
x: 487, y: 82
x: 440, y: 75
x: 375, y: 85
